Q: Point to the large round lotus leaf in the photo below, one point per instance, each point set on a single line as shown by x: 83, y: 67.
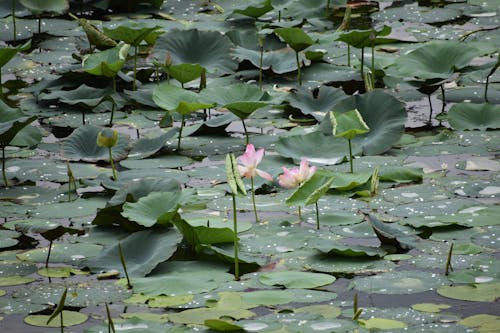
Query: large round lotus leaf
x: 400, y: 282
x: 347, y: 265
x: 384, y: 114
x: 279, y: 61
x: 415, y: 13
x: 142, y: 251
x: 60, y: 272
x: 210, y: 49
x: 81, y: 295
x: 62, y: 253
x: 482, y: 322
x: 476, y: 292
x: 198, y: 316
x: 8, y: 268
x: 77, y: 208
x: 430, y: 307
x: 8, y: 238
x: 14, y: 280
x: 149, y: 209
x: 70, y: 318
x: 468, y: 116
x: 437, y: 59
x: 173, y: 98
x: 295, y: 279
x: 316, y: 102
x: 381, y: 324
x: 315, y: 147
x: 82, y: 145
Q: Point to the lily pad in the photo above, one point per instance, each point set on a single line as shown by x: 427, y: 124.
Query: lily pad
x: 476, y: 292
x: 70, y: 318
x: 294, y: 279
x: 468, y: 116
x: 400, y: 282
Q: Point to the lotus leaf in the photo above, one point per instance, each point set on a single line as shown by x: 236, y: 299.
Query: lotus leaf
x: 133, y: 34
x: 146, y: 147
x: 382, y: 324
x: 295, y: 37
x: 106, y: 63
x: 310, y: 191
x: 142, y: 250
x: 209, y: 49
x: 256, y: 9
x: 179, y: 100
x: 366, y: 38
x: 279, y: 61
x: 316, y: 102
x: 84, y: 94
x: 185, y: 73
x: 40, y: 6
x: 81, y: 145
x: 156, y: 207
x: 468, y: 116
x: 295, y: 279
x: 71, y: 318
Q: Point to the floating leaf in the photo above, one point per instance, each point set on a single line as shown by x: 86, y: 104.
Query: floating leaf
x: 70, y: 318
x: 468, y: 116
x: 295, y: 279
x: 476, y: 292
x: 382, y: 324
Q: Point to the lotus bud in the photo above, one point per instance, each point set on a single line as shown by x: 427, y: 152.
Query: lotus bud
x: 107, y: 138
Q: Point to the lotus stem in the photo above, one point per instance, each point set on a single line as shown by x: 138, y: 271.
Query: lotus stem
x: 48, y: 255
x: 443, y: 97
x: 299, y: 211
x: 431, y: 111
x: 134, y: 85
x: 260, y: 65
x: 14, y: 28
x: 356, y: 310
x: 39, y: 25
x: 246, y: 132
x: 113, y: 103
x: 317, y: 216
x: 115, y: 176
x: 62, y: 322
x: 448, y: 267
x: 485, y: 89
x: 111, y: 325
x: 253, y: 200
x: 351, y: 168
x: 183, y: 122
x: 124, y: 265
x: 299, y: 77
x: 235, y: 227
x: 4, y: 174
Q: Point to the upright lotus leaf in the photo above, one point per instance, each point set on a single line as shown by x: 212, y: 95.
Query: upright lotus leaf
x: 366, y: 38
x: 384, y: 114
x: 82, y: 145
x: 255, y: 9
x: 106, y: 63
x: 142, y: 250
x: 59, y: 309
x: 316, y: 102
x: 468, y: 116
x: 390, y: 236
x: 436, y: 59
x: 185, y: 73
x: 298, y: 41
x: 348, y: 124
x: 42, y: 6
x: 175, y: 99
x: 156, y: 207
x: 210, y: 49
x: 7, y: 53
x: 134, y: 34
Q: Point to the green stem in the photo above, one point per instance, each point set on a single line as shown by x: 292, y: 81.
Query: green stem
x: 115, y: 176
x: 4, y: 174
x: 443, y: 98
x: 14, y: 28
x: 183, y: 121
x: 124, y: 265
x: 448, y: 267
x: 134, y: 86
x: 235, y: 227
x: 260, y: 66
x: 299, y: 77
x: 317, y: 216
x: 350, y: 156
x: 253, y: 200
x: 300, y: 213
x: 48, y: 255
x: 430, y: 107
x: 246, y: 132
x: 62, y: 322
x: 485, y: 89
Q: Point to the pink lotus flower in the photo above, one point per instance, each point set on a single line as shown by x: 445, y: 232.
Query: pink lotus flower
x: 249, y: 161
x: 296, y: 176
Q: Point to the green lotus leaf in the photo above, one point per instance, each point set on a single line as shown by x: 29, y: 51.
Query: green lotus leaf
x: 210, y: 49
x: 339, y: 249
x: 12, y: 122
x: 81, y: 145
x: 468, y: 116
x: 348, y: 181
x: 62, y: 253
x: 14, y: 280
x: 88, y: 96
x: 382, y: 324
x: 220, y: 325
x: 185, y: 73
x: 42, y: 6
x: 481, y: 322
x: 198, y: 316
x: 348, y: 124
x: 173, y: 98
x: 430, y: 307
x: 279, y: 61
x: 296, y: 279
x: 476, y: 292
x: 60, y: 272
x: 315, y: 147
x: 366, y: 38
x: 316, y: 102
x: 70, y: 318
x: 146, y: 147
x: 383, y: 114
x: 388, y: 235
x: 7, y: 53
x: 142, y: 250
x: 255, y: 9
x: 152, y: 208
x: 106, y: 63
x: 295, y: 37
x: 311, y: 191
x: 416, y: 13
x: 132, y: 33
x: 436, y: 59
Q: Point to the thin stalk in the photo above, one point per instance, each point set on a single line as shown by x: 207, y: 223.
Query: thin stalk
x: 4, y: 174
x: 62, y: 322
x: 300, y: 213
x: 443, y: 98
x: 448, y: 267
x: 485, y: 89
x: 348, y: 55
x: 235, y: 227
x: 299, y: 77
x: 14, y: 28
x: 124, y: 265
x: 350, y: 156
x: 115, y: 176
x: 113, y: 102
x: 134, y: 86
x: 39, y: 25
x: 246, y: 132
x: 430, y: 106
x: 83, y: 116
x: 362, y: 60
x: 183, y: 122
x: 317, y: 216
x: 111, y: 325
x: 48, y: 255
x: 1, y: 86
x: 253, y: 200
x: 260, y: 65
x: 279, y: 15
